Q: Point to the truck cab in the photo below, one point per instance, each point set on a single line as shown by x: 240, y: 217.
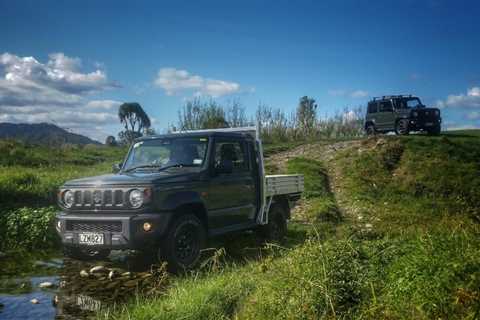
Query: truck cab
x: 172, y: 192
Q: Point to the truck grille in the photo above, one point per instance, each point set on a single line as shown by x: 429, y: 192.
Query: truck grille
x: 97, y: 199
x: 94, y: 226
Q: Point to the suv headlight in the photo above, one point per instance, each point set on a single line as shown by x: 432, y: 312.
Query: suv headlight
x: 68, y: 198
x: 136, y: 198
x: 415, y: 114
x: 437, y: 113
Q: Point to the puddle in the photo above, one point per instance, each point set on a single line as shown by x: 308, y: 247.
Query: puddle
x: 75, y: 290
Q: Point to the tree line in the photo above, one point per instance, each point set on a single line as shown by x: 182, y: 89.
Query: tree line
x: 304, y: 123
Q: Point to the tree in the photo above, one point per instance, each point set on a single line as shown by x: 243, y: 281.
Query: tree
x: 110, y: 141
x: 197, y: 115
x: 134, y: 119
x: 306, y: 115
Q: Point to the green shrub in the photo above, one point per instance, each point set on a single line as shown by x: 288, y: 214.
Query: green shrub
x: 28, y: 228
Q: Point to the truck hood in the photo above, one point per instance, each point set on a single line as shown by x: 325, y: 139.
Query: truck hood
x: 134, y: 178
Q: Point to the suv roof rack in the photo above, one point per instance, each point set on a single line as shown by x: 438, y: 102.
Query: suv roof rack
x: 392, y: 97
x: 253, y: 131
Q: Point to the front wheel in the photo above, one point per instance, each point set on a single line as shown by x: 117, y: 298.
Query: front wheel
x: 183, y: 245
x: 86, y: 254
x: 435, y: 130
x: 401, y: 127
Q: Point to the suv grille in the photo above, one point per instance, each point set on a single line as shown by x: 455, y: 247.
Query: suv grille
x: 94, y: 226
x: 106, y: 199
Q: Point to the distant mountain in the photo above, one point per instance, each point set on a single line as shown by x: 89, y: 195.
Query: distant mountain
x: 41, y: 133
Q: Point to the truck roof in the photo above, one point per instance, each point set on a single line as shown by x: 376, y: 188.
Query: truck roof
x: 199, y: 133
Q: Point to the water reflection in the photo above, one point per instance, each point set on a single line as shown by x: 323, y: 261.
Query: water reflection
x: 73, y: 296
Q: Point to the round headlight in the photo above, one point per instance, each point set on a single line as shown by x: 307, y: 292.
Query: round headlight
x: 68, y: 198
x: 136, y: 198
x: 415, y: 113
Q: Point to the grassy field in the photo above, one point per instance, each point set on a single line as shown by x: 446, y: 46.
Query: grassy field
x: 404, y: 246
x: 397, y: 238
x: 29, y: 179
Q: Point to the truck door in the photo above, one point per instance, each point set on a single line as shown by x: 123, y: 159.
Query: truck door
x: 385, y: 116
x: 232, y: 195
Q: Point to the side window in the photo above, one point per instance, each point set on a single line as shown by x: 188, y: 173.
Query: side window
x: 372, y: 107
x: 386, y: 106
x: 235, y: 151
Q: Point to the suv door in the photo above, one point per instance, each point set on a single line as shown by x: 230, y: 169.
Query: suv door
x: 232, y: 195
x: 385, y: 116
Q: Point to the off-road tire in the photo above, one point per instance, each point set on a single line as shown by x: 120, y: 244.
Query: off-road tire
x: 86, y: 254
x: 435, y: 131
x: 276, y: 229
x: 183, y: 244
x: 370, y: 130
x: 401, y: 127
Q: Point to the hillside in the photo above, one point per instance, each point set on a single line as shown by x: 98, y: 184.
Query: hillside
x: 393, y: 233
x: 42, y: 133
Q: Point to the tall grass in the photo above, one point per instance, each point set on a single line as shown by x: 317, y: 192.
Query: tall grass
x: 409, y: 250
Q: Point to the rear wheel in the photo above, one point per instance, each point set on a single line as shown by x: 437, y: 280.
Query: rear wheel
x: 401, y: 127
x: 370, y: 130
x: 85, y: 253
x: 276, y: 229
x: 183, y: 244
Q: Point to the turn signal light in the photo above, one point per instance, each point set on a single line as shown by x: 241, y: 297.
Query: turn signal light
x: 147, y: 226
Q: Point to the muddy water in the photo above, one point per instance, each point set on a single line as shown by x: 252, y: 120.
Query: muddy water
x: 74, y: 289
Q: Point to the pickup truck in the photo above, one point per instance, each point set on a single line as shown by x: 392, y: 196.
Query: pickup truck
x: 172, y: 192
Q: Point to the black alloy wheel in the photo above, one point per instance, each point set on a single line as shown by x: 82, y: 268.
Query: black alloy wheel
x: 370, y: 130
x: 183, y: 244
x: 401, y: 127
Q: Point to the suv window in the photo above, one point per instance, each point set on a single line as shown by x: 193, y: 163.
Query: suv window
x: 372, y: 107
x: 386, y: 106
x: 236, y: 151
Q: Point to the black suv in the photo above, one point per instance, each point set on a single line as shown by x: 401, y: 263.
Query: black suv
x: 401, y: 114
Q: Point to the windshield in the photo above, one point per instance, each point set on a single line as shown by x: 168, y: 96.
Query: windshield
x: 410, y: 103
x: 163, y: 153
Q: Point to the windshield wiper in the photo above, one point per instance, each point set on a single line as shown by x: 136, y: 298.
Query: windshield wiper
x: 177, y: 165
x: 143, y: 166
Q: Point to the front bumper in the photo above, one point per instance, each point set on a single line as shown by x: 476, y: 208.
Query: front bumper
x: 420, y: 124
x: 119, y: 231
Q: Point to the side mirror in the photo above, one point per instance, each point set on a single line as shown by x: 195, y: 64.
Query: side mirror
x: 225, y: 166
x: 116, y: 167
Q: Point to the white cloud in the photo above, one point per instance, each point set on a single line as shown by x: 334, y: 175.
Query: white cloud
x: 103, y: 105
x: 55, y: 92
x: 345, y: 93
x: 471, y: 99
x: 474, y: 115
x: 359, y: 94
x: 174, y: 81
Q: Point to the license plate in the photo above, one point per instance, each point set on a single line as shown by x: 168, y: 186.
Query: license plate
x: 429, y: 124
x: 90, y: 238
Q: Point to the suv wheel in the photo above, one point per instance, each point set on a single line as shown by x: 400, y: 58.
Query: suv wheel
x: 370, y: 130
x: 276, y: 229
x: 401, y: 127
x: 435, y: 130
x: 183, y: 244
x: 86, y: 254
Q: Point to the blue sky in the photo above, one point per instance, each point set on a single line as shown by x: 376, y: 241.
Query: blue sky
x: 72, y: 63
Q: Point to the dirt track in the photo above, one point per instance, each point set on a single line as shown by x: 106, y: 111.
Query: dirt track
x: 326, y: 153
